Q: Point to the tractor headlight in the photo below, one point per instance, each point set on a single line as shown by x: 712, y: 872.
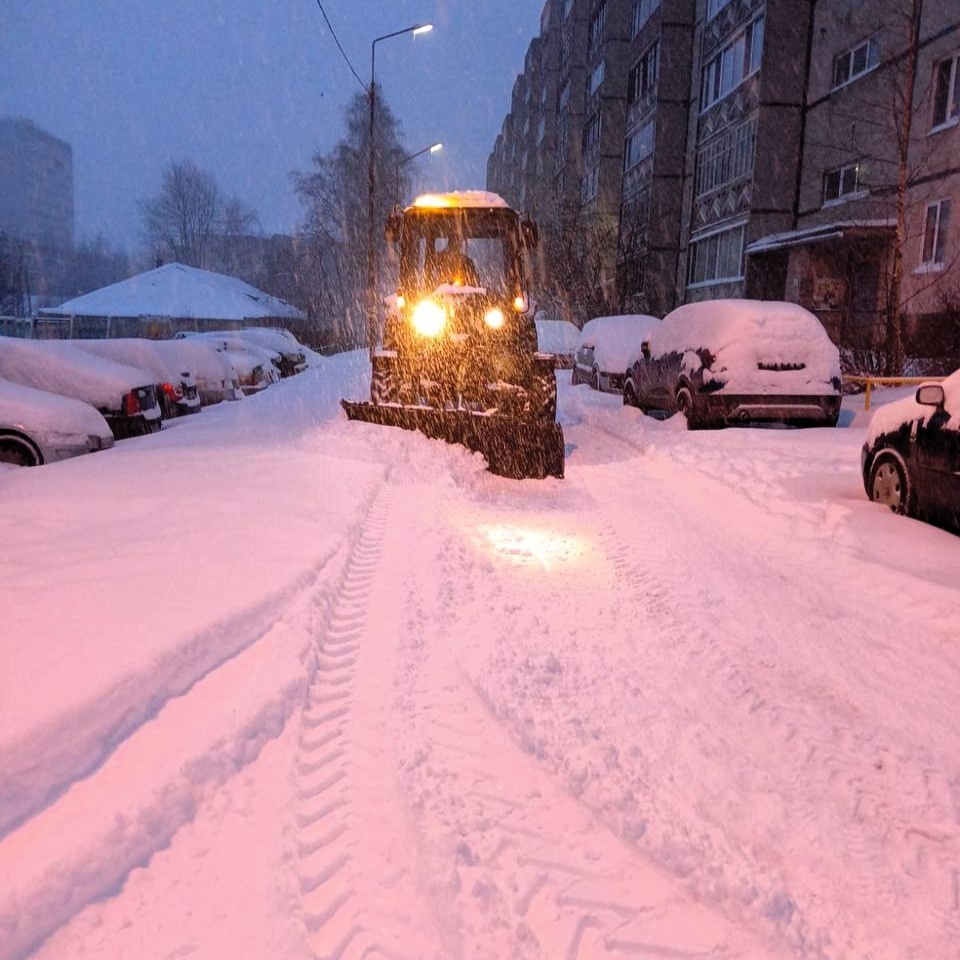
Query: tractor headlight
x: 428, y: 318
x: 494, y: 318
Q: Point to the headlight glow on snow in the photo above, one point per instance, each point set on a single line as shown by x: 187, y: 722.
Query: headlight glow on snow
x: 428, y: 318
x: 526, y: 547
x: 494, y: 318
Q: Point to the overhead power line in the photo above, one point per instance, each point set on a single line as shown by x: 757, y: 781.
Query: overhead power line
x: 336, y: 40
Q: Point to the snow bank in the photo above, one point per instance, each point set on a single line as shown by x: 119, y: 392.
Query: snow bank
x: 616, y: 340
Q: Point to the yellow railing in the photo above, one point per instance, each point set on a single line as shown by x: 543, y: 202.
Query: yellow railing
x: 871, y: 382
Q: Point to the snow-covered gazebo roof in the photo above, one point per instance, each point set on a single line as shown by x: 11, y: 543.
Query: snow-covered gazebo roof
x: 178, y: 292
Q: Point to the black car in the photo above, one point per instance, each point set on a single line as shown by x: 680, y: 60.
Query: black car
x: 911, y: 460
x: 721, y: 362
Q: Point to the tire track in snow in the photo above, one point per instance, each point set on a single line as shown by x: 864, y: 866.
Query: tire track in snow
x: 359, y: 896
x: 521, y: 868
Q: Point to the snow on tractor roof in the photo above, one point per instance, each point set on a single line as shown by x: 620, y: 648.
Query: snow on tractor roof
x: 461, y: 198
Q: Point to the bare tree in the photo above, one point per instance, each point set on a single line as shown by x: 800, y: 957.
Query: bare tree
x: 181, y: 219
x: 334, y: 192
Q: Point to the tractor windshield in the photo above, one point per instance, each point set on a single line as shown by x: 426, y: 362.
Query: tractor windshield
x: 462, y: 247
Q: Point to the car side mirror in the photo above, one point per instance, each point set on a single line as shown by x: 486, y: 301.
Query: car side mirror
x: 645, y: 349
x: 931, y: 395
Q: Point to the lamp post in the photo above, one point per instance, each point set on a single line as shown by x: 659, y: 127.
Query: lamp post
x: 433, y: 148
x: 416, y: 29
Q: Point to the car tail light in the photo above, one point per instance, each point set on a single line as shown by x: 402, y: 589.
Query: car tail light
x: 172, y: 390
x: 131, y: 404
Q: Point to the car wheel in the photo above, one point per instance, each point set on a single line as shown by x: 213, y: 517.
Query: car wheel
x: 889, y: 484
x: 630, y: 398
x: 18, y: 452
x: 685, y: 406
x: 574, y: 376
x: 596, y: 380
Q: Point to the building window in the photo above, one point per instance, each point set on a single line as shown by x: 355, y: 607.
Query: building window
x: 638, y: 146
x: 717, y: 258
x: 843, y: 181
x: 855, y: 62
x: 935, y: 232
x: 597, y: 24
x: 596, y: 78
x: 591, y: 133
x: 946, y: 91
x: 643, y: 76
x: 642, y: 11
x: 732, y: 65
x: 590, y: 184
x: 714, y: 7
x: 726, y: 157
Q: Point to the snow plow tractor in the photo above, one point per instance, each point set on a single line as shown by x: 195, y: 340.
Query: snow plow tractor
x: 459, y: 359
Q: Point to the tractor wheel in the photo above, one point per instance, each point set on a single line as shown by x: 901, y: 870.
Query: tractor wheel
x: 542, y: 396
x: 384, y: 383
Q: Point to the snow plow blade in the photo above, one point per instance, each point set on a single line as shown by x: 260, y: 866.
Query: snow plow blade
x: 519, y: 449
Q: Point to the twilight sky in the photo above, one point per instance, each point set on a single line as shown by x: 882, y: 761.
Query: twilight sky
x: 249, y: 90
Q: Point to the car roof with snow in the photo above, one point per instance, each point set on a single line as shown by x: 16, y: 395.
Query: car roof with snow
x: 57, y: 366
x: 892, y: 416
x: 616, y: 339
x: 37, y: 410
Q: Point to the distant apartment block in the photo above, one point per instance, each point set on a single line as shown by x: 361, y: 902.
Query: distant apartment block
x: 36, y: 184
x: 759, y: 148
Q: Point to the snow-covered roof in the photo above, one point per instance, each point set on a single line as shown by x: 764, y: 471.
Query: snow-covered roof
x: 178, y: 292
x: 616, y: 339
x: 461, y: 198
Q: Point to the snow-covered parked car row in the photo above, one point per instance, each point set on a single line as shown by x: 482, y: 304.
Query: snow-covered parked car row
x: 60, y: 398
x: 717, y: 362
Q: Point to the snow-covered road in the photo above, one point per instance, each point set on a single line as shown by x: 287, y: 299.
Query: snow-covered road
x: 277, y: 685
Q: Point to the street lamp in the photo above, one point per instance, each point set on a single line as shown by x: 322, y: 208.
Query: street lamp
x: 433, y: 148
x: 416, y: 29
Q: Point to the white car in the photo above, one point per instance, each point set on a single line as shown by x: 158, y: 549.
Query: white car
x: 253, y: 366
x: 608, y: 347
x: 282, y: 342
x: 125, y: 395
x: 37, y: 427
x: 559, y: 337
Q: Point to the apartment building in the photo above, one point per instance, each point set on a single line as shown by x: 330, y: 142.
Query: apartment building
x: 654, y: 152
x: 36, y: 184
x: 753, y: 148
x: 880, y: 173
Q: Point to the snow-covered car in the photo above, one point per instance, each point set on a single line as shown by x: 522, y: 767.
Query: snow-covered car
x: 37, y: 427
x: 723, y: 362
x: 253, y: 367
x: 559, y: 337
x: 911, y: 458
x: 607, y: 347
x: 177, y: 389
x: 125, y: 395
x: 292, y: 358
